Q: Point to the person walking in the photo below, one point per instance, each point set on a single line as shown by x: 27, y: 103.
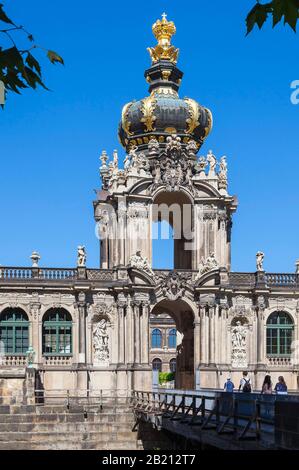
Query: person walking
x: 245, y: 384
x: 229, y: 386
x: 267, y: 385
x: 281, y: 387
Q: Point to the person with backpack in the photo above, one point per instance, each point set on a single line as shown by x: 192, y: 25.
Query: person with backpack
x: 245, y: 384
x: 229, y: 386
x: 281, y: 387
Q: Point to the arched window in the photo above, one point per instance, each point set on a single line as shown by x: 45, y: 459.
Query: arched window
x: 156, y: 338
x: 57, y: 332
x: 172, y: 365
x: 14, y: 331
x: 172, y: 338
x: 157, y: 364
x: 280, y: 329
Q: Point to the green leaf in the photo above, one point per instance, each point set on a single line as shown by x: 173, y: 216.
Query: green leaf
x: 32, y: 78
x: 291, y: 13
x: 3, y: 16
x: 33, y: 63
x: 278, y: 7
x: 54, y: 57
x: 258, y: 15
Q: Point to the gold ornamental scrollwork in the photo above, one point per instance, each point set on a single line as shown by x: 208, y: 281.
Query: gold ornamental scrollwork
x: 208, y: 128
x: 193, y: 119
x: 124, y: 119
x: 148, y: 106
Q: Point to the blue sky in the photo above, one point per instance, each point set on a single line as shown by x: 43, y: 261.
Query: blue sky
x: 50, y: 141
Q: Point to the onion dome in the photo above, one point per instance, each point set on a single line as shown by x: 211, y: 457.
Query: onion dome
x: 163, y: 112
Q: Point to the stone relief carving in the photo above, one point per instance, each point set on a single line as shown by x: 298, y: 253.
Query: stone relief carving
x: 141, y: 262
x: 200, y: 167
x: 139, y: 164
x: 207, y: 265
x: 242, y: 306
x: 101, y: 342
x: 173, y: 144
x: 137, y: 210
x: 153, y: 148
x: 173, y: 285
x: 238, y: 340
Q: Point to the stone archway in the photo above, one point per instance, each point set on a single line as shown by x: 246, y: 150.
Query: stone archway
x: 183, y: 315
x: 176, y: 208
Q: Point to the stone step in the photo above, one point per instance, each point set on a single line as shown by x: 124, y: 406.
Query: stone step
x: 83, y: 427
x: 71, y: 437
x: 48, y: 409
x: 67, y: 418
x: 34, y: 445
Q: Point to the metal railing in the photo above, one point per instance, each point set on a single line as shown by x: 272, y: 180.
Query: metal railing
x: 240, y: 414
x: 75, y: 397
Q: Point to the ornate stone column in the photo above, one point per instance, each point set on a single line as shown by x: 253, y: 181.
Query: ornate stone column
x: 129, y: 333
x: 197, y: 340
x: 121, y: 304
x: 145, y: 332
x: 34, y: 339
x: 81, y: 305
x: 211, y: 337
x: 136, y: 325
x: 202, y: 334
x: 260, y: 308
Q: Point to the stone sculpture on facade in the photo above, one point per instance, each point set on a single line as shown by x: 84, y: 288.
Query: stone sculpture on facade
x: 30, y: 355
x: 153, y: 148
x: 222, y: 175
x: 173, y: 286
x: 239, y: 332
x: 137, y: 261
x: 173, y: 144
x: 104, y: 158
x: 207, y: 265
x: 211, y: 159
x: 201, y: 167
x: 35, y: 257
x: 81, y: 256
x: 139, y: 162
x: 101, y: 342
x: 259, y: 261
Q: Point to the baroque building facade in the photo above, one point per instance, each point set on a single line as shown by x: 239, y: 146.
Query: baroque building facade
x: 90, y: 328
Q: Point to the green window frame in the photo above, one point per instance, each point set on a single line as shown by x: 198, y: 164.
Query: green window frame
x: 280, y: 330
x: 57, y: 333
x: 14, y: 331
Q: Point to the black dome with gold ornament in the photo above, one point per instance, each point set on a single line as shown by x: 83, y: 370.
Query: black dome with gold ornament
x: 162, y: 112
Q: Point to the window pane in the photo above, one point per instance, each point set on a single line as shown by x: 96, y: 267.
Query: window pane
x: 157, y: 365
x: 172, y: 365
x: 156, y: 338
x: 172, y: 338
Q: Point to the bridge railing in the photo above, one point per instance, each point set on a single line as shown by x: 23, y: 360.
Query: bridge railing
x: 242, y: 413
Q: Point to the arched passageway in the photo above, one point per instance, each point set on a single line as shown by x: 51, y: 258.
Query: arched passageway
x: 172, y: 215
x: 182, y: 314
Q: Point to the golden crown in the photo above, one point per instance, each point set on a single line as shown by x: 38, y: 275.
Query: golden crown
x: 163, y: 31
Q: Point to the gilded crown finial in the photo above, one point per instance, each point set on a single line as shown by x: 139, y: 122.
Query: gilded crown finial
x: 163, y: 31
